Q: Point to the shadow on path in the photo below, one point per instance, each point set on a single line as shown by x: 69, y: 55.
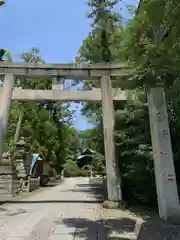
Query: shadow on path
x: 106, y: 228
x: 52, y: 183
x: 110, y: 229
x: 95, y: 189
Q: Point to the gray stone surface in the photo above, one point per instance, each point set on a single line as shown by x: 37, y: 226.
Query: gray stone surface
x: 68, y: 211
x: 158, y: 230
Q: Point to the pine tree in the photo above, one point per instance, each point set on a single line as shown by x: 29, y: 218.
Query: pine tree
x: 104, y: 23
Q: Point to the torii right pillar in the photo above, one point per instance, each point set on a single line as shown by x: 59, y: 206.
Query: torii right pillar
x: 167, y: 193
x: 112, y: 168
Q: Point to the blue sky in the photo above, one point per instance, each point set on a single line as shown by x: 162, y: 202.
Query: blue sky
x: 56, y: 27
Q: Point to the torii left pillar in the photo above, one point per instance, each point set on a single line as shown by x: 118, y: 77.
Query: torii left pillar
x: 5, y: 106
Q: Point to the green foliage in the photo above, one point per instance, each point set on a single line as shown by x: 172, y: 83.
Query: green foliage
x: 98, y: 164
x: 92, y: 138
x: 71, y: 169
x: 98, y: 45
x: 133, y: 144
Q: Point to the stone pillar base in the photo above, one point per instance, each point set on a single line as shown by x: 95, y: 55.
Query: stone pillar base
x: 115, y: 205
x: 174, y: 219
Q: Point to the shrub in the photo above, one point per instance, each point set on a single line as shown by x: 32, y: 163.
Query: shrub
x: 71, y: 169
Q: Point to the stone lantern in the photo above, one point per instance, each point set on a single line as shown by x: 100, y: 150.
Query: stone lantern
x: 21, y: 163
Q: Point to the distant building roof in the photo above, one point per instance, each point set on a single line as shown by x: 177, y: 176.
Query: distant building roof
x: 87, y: 152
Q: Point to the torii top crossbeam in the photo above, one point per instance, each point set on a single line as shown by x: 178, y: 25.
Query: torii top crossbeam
x: 74, y: 71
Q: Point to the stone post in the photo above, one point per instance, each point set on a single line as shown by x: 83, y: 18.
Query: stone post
x: 21, y: 183
x: 112, y: 168
x: 62, y: 174
x: 34, y: 183
x: 167, y: 193
x: 5, y: 106
x: 29, y: 184
x: 39, y: 180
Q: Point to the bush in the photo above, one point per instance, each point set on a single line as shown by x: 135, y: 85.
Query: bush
x: 71, y: 169
x: 138, y: 183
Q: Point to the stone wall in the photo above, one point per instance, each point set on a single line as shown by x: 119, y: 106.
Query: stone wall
x: 8, y: 178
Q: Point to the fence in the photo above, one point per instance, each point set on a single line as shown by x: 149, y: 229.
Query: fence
x: 33, y: 184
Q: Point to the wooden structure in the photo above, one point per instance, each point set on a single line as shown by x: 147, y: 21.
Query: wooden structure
x: 164, y: 167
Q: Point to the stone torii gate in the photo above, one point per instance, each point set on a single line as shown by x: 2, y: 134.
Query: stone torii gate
x: 166, y: 185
